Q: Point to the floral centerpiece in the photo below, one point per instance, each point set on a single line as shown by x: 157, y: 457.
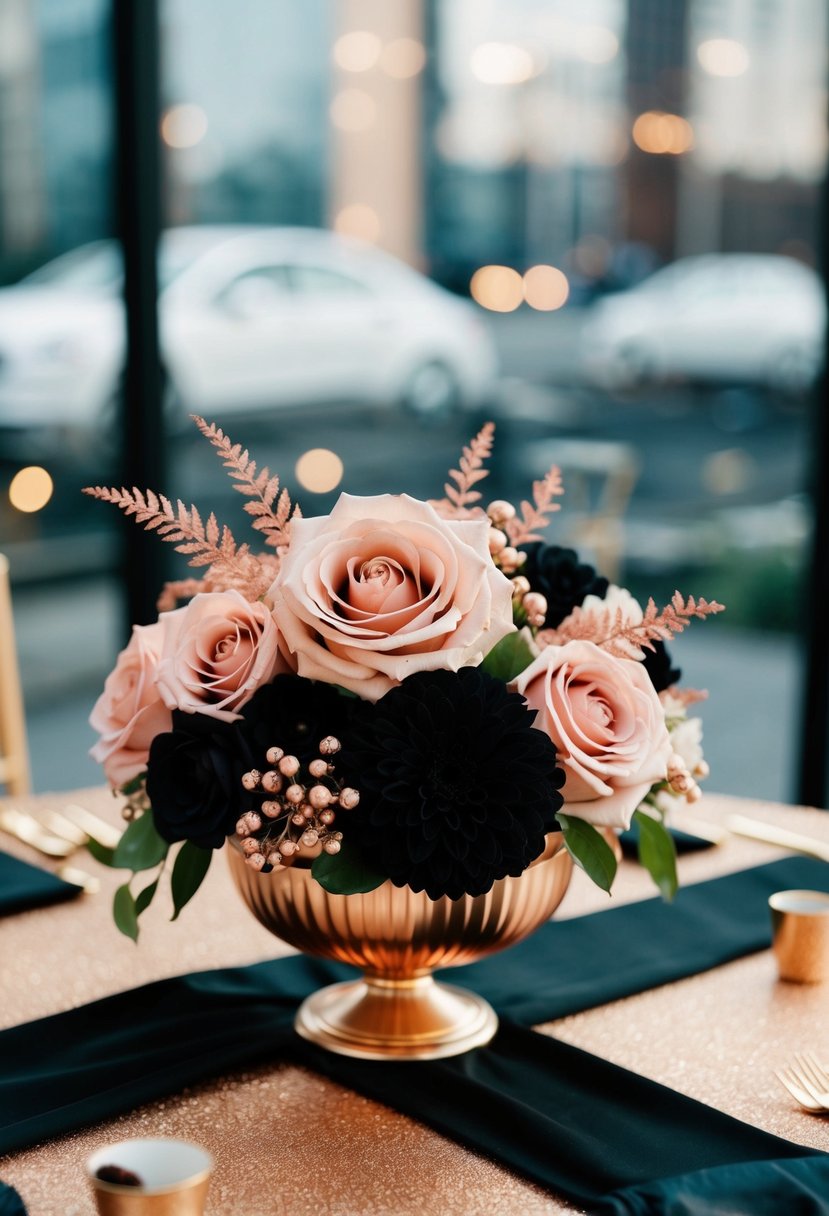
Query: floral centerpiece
x: 405, y: 691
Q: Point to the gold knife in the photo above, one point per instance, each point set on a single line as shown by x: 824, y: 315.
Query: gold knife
x: 770, y: 833
x: 105, y: 833
x: 24, y: 827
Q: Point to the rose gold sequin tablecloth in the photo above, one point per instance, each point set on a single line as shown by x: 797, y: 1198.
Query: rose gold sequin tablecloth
x: 289, y: 1141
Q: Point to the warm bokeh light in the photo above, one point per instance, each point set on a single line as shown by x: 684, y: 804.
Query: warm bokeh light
x: 183, y: 126
x: 723, y: 57
x: 501, y: 63
x: 546, y: 288
x: 403, y: 58
x: 729, y: 471
x: 319, y: 470
x: 357, y: 51
x: 30, y: 489
x: 661, y: 134
x: 353, y: 110
x: 498, y: 288
x: 597, y: 44
x: 360, y: 220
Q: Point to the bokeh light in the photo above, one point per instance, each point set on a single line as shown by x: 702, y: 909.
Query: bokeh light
x: 501, y: 63
x: 663, y: 134
x: 723, y: 57
x: 545, y: 288
x: 403, y: 58
x: 357, y: 51
x: 183, y: 126
x: 353, y: 110
x: 30, y: 489
x: 498, y: 288
x: 358, y: 219
x: 729, y: 471
x: 319, y: 470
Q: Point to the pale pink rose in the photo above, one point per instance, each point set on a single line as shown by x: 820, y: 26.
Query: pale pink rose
x: 216, y: 653
x: 383, y: 587
x: 608, y: 726
x: 129, y: 712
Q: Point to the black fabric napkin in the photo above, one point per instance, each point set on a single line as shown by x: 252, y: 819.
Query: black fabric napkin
x: 10, y: 1202
x: 565, y: 1118
x: 23, y: 887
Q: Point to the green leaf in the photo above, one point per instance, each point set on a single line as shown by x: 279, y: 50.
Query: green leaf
x: 589, y: 849
x: 509, y: 657
x: 133, y: 786
x: 100, y: 852
x: 124, y: 913
x: 141, y: 847
x: 345, y: 873
x: 191, y: 865
x: 657, y: 853
x: 144, y: 898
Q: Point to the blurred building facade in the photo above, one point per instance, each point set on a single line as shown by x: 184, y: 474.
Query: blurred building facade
x: 571, y: 132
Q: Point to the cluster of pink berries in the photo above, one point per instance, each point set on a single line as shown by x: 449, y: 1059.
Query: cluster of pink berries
x: 297, y: 818
x: 528, y: 607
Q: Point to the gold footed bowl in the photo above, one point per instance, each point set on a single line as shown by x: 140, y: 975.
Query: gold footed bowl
x: 397, y: 937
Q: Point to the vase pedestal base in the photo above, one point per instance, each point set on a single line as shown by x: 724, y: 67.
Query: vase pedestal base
x: 386, y: 1019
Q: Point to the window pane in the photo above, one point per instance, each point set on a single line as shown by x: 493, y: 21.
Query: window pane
x: 60, y: 344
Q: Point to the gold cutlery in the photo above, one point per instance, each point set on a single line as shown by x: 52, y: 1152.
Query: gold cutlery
x: 59, y: 825
x: 807, y: 1082
x: 105, y: 833
x: 27, y: 829
x: 769, y: 833
x: 79, y: 878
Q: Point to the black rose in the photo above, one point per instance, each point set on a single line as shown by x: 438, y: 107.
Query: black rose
x: 194, y: 779
x: 561, y: 578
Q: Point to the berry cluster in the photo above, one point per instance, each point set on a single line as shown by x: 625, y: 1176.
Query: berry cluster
x: 528, y: 607
x: 296, y: 819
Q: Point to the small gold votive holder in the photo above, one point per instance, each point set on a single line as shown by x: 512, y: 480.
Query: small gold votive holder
x: 800, y: 935
x: 174, y: 1177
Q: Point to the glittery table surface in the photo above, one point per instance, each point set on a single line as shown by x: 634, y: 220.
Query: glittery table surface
x: 288, y: 1141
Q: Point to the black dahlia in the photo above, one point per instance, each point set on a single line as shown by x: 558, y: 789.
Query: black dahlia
x: 561, y: 578
x: 457, y: 788
x: 294, y: 713
x: 658, y: 666
x: 194, y: 779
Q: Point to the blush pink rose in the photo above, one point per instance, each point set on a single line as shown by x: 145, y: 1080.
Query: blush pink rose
x: 608, y: 726
x: 384, y: 587
x: 216, y: 653
x: 130, y: 712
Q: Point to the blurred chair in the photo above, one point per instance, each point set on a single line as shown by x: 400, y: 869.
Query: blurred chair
x: 14, y: 752
x: 599, y: 478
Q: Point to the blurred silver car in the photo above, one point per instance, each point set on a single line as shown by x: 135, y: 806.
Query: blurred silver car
x: 730, y: 318
x: 251, y: 319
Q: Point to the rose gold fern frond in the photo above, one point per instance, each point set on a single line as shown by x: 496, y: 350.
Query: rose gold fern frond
x: 460, y: 497
x: 174, y: 592
x: 261, y: 486
x: 610, y: 629
x: 685, y: 696
x: 522, y: 529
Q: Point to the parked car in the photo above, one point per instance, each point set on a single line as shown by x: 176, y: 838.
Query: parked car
x: 250, y: 319
x: 724, y: 318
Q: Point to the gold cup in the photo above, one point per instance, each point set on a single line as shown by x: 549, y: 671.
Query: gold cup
x: 174, y: 1178
x: 800, y: 935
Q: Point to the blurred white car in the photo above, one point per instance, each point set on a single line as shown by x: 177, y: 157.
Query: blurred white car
x: 730, y: 318
x: 251, y: 319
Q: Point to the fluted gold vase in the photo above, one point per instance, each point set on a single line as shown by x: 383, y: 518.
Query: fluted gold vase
x: 397, y: 938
